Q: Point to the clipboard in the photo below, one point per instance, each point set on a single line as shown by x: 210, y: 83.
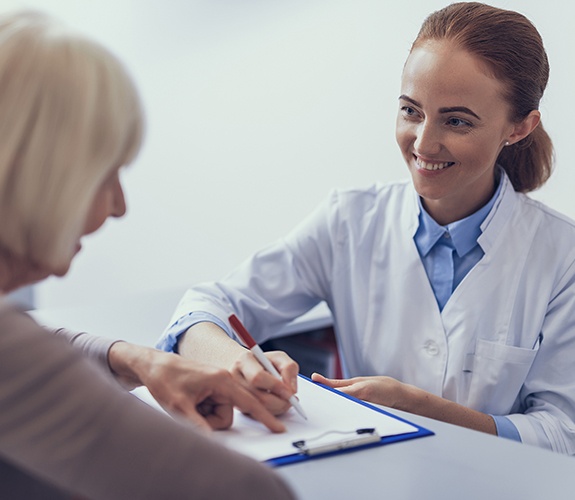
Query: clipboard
x: 337, y: 423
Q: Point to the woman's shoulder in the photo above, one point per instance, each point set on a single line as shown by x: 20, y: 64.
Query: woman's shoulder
x: 13, y: 318
x: 367, y: 210
x: 375, y: 194
x: 21, y: 336
x: 549, y: 234
x: 550, y: 217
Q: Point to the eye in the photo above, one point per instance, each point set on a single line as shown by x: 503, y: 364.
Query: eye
x: 459, y: 123
x: 408, y: 111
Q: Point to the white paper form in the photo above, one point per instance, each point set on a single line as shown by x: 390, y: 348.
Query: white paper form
x: 326, y: 410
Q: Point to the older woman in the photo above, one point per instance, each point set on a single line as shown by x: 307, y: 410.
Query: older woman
x: 70, y: 118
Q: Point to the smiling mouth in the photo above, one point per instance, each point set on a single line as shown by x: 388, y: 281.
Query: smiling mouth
x: 433, y: 166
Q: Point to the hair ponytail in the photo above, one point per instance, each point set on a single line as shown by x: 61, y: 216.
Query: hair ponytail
x: 529, y: 162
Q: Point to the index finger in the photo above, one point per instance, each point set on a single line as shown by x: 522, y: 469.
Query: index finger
x: 286, y: 366
x: 336, y: 383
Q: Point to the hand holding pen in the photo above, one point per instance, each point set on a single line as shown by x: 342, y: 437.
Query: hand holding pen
x: 262, y: 358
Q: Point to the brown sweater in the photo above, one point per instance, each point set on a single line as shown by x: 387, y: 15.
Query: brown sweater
x: 68, y: 429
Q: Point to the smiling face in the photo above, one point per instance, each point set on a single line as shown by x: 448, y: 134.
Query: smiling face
x: 452, y: 123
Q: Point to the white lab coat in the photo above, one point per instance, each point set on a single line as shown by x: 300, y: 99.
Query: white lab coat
x: 505, y: 341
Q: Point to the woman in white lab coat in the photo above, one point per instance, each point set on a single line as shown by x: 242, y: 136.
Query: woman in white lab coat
x: 453, y: 294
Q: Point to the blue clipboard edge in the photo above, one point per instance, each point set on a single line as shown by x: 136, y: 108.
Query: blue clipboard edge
x: 300, y: 457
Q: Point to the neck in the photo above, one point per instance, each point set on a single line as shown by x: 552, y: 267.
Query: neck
x: 16, y: 272
x: 445, y: 214
x: 446, y: 210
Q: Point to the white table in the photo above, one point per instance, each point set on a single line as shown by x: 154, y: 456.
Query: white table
x: 456, y: 463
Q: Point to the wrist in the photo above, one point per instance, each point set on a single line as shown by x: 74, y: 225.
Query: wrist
x: 128, y: 361
x: 414, y: 399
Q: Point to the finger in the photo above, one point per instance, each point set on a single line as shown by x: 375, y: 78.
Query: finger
x: 286, y: 366
x: 331, y: 382
x: 218, y: 416
x: 274, y: 404
x: 343, y: 385
x: 189, y: 405
x: 257, y: 377
x: 193, y: 416
x: 248, y: 404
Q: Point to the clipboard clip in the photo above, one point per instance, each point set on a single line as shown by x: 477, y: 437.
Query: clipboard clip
x: 323, y: 444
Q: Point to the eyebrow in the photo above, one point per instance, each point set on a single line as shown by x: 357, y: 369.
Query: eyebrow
x: 452, y: 109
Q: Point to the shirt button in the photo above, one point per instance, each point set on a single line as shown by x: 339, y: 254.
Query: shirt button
x: 446, y: 235
x: 431, y: 348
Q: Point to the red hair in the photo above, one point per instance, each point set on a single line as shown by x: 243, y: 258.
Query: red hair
x: 512, y: 48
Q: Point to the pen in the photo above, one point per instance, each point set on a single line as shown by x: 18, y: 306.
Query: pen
x: 261, y: 357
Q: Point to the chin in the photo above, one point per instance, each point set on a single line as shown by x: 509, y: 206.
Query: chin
x: 61, y: 268
x: 61, y: 271
x: 428, y: 191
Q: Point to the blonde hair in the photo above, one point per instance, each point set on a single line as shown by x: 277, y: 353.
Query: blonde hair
x: 69, y: 114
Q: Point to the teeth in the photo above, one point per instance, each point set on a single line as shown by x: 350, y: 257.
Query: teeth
x: 432, y: 166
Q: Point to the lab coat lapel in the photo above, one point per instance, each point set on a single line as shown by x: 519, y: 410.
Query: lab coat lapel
x: 493, y: 283
x: 493, y: 231
x: 422, y: 319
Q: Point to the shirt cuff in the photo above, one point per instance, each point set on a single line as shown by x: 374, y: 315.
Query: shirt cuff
x: 506, y: 428
x: 169, y: 340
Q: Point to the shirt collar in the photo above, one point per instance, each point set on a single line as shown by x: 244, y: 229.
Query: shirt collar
x: 464, y: 232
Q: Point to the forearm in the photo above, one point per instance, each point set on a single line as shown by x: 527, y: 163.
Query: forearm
x: 93, y: 347
x: 208, y: 343
x: 119, y: 357
x: 429, y: 405
x: 390, y: 392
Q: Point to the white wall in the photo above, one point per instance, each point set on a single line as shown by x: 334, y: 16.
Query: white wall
x: 256, y: 109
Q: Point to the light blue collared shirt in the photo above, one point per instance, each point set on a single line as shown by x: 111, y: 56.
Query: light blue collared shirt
x: 448, y: 253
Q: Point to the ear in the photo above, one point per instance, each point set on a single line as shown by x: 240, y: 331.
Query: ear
x: 525, y: 127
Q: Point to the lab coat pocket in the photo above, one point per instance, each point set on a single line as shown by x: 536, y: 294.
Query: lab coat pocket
x: 497, y: 374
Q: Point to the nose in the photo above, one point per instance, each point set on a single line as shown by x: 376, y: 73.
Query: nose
x: 428, y: 139
x: 119, y: 200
